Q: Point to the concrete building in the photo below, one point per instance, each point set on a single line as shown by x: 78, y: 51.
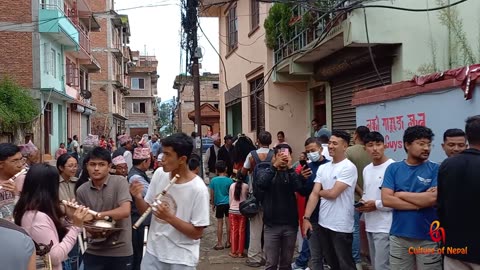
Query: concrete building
x: 141, y: 104
x: 45, y: 48
x: 110, y: 86
x: 249, y: 100
x: 209, y: 104
x: 316, y: 61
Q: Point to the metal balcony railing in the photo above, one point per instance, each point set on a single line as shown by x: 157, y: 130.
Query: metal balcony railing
x: 84, y: 41
x: 301, y: 35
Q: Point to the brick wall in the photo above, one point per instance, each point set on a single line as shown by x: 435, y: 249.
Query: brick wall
x: 98, y: 5
x: 17, y: 66
x: 16, y: 11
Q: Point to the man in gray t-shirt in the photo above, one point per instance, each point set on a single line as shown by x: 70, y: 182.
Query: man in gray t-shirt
x: 109, y: 195
x: 20, y: 253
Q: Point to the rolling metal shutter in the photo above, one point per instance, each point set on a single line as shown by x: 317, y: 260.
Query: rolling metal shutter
x: 342, y: 89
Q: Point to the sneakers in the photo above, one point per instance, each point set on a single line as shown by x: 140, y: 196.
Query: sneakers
x: 296, y: 267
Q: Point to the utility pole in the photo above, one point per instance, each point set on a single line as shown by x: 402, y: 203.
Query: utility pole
x: 192, y: 16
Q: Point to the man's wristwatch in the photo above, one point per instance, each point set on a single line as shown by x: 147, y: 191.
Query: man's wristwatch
x: 306, y: 218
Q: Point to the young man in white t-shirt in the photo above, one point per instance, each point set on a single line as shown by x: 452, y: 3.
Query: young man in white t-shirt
x: 335, y: 184
x: 182, y: 215
x: 378, y: 219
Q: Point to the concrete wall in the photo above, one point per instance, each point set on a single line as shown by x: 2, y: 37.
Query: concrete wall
x: 287, y: 110
x: 49, y: 80
x: 419, y: 33
x: 207, y: 95
x: 443, y: 109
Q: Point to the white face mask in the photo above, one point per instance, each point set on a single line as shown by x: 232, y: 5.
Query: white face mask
x: 313, y: 156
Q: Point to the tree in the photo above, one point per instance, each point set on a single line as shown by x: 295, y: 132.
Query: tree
x: 18, y: 110
x: 165, y: 117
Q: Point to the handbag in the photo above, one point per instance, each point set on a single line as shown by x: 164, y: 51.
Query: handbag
x: 249, y: 207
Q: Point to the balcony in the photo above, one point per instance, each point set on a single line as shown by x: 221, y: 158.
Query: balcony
x: 53, y: 22
x: 317, y: 34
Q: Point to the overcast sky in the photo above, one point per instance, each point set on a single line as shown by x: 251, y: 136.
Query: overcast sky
x: 155, y: 29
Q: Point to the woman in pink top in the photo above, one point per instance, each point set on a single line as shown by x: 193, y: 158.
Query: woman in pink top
x: 237, y: 194
x: 38, y: 212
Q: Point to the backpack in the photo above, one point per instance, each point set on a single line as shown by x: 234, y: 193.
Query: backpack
x: 259, y: 166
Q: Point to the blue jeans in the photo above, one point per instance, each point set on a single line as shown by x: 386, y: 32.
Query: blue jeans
x: 304, y: 256
x: 356, y: 238
x: 73, y: 260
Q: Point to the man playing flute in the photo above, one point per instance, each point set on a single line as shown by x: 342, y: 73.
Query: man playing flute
x: 180, y: 218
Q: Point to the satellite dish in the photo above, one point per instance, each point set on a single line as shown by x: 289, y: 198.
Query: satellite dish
x: 86, y: 94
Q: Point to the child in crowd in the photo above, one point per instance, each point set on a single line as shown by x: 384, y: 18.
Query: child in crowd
x: 237, y: 194
x: 219, y: 199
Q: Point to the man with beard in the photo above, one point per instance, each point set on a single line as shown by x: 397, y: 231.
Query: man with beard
x: 410, y: 188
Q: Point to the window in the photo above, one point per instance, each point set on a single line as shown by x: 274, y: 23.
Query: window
x: 138, y: 83
x: 232, y: 28
x: 255, y: 14
x: 114, y: 98
x: 257, y: 106
x: 215, y: 86
x: 53, y: 63
x: 138, y: 107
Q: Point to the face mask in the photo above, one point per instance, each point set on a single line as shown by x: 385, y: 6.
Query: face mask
x: 314, y: 156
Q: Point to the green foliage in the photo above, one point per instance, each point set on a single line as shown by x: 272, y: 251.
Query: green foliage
x: 165, y: 114
x: 17, y: 108
x: 461, y: 51
x: 277, y: 24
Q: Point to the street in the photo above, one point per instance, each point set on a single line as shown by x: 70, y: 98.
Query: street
x: 211, y: 259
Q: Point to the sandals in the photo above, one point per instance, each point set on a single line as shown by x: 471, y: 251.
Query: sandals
x: 227, y: 245
x: 233, y: 255
x: 218, y: 247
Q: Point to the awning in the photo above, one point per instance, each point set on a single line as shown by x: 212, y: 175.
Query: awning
x: 137, y: 125
x: 121, y: 117
x: 52, y: 93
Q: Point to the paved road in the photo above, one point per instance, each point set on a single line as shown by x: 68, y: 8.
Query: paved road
x: 211, y: 259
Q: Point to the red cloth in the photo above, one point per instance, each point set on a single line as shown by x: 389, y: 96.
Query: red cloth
x: 467, y: 75
x: 103, y: 144
x: 237, y: 233
x: 301, y: 202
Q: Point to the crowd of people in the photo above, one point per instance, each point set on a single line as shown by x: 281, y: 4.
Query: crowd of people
x: 416, y: 212
x: 335, y: 184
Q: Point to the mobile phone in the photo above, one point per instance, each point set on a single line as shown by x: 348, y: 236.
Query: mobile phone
x: 303, y: 163
x: 285, y: 151
x: 358, y: 204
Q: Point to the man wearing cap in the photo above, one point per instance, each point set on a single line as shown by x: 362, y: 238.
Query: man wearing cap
x: 125, y: 150
x: 120, y: 166
x: 141, y: 163
x: 226, y: 153
x: 211, y: 157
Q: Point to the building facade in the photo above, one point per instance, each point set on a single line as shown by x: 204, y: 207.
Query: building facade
x: 209, y: 104
x: 141, y: 104
x: 45, y: 49
x: 313, y: 59
x: 110, y: 86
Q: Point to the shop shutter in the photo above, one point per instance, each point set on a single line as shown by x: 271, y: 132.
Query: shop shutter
x: 342, y: 89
